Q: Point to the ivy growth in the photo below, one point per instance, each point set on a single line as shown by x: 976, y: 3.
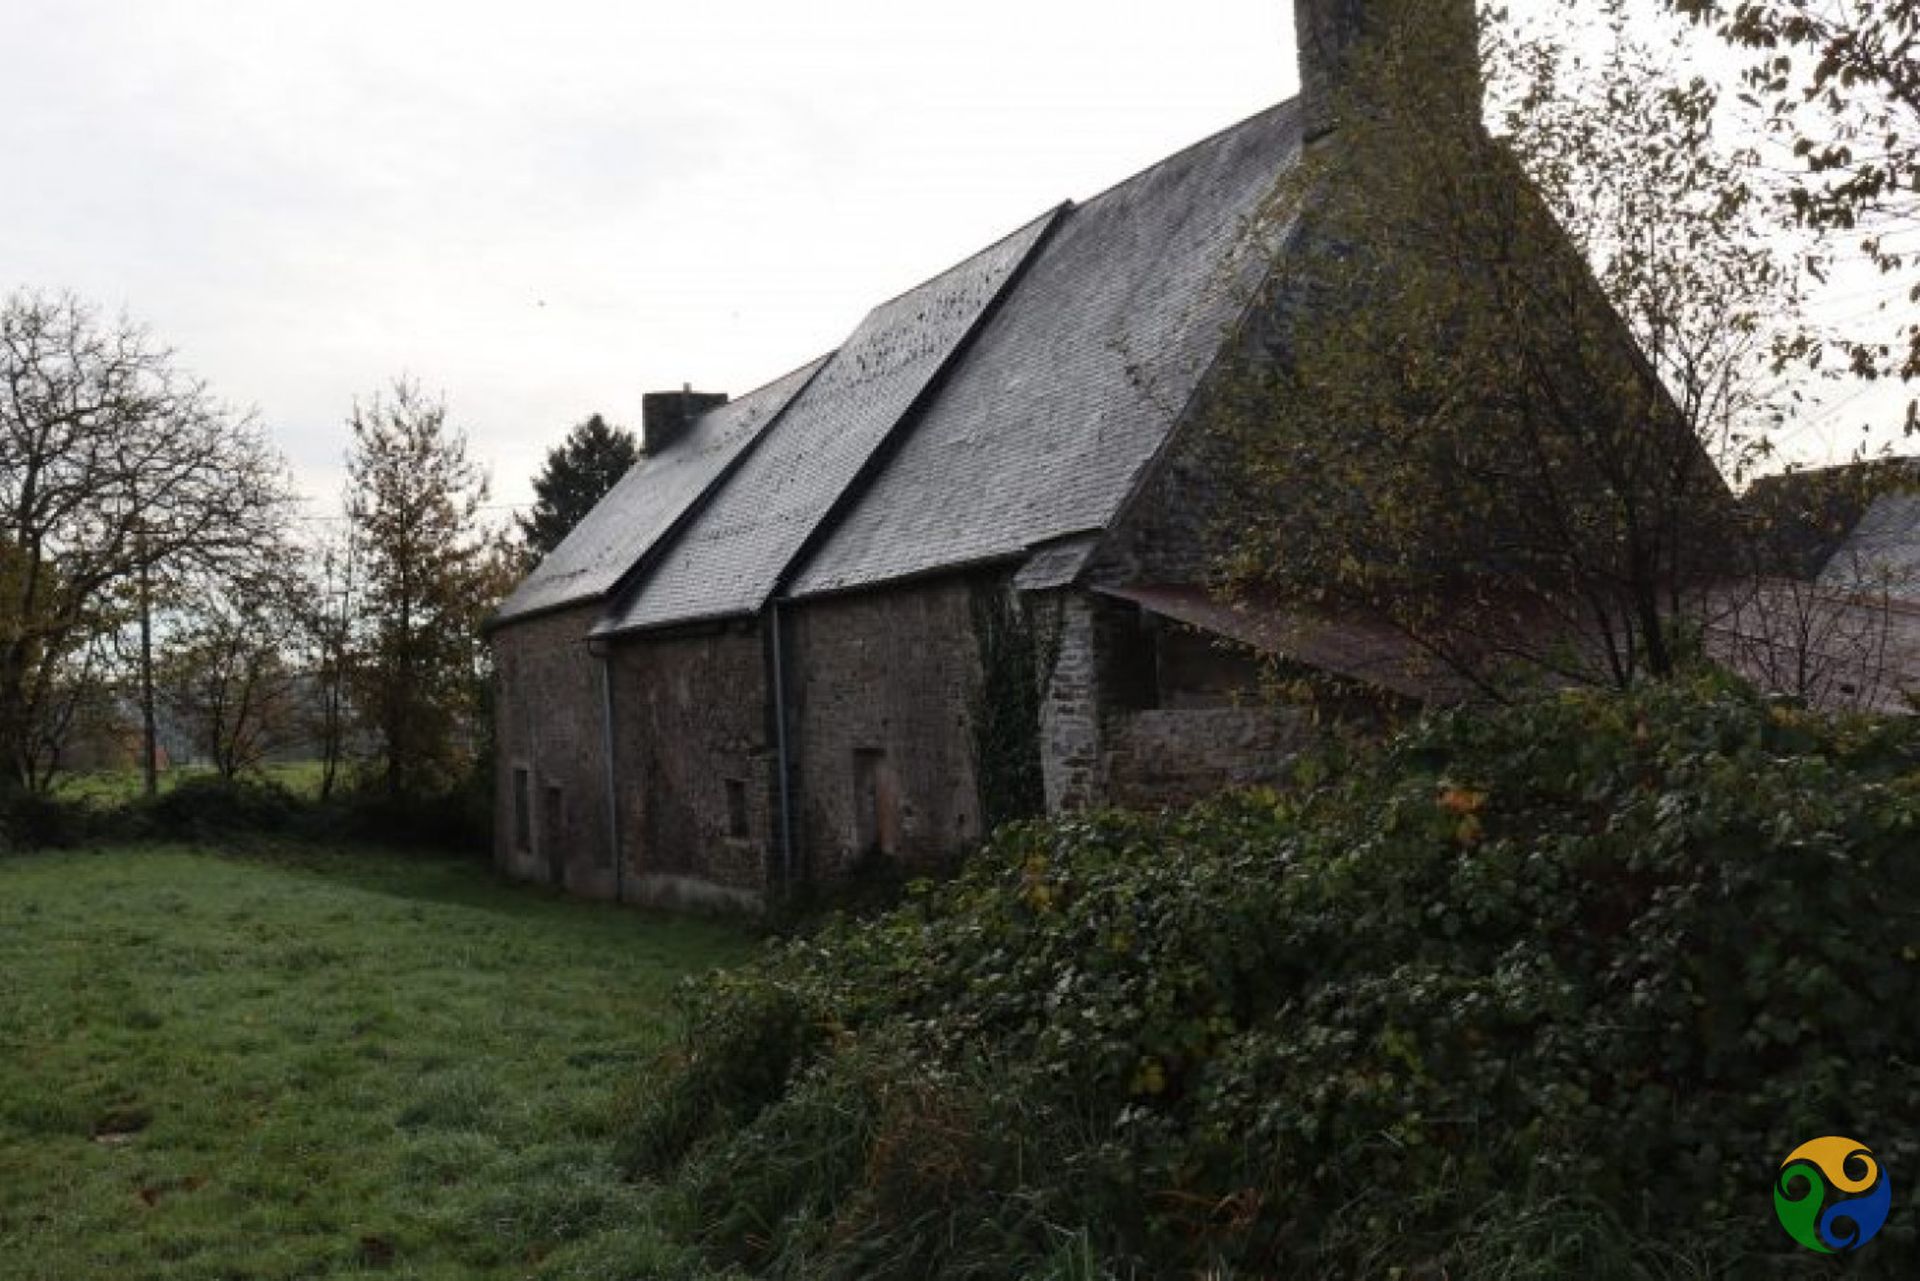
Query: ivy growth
x: 1016, y: 651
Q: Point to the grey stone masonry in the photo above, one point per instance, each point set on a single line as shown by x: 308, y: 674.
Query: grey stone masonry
x: 883, y: 689
x: 1070, y: 710
x: 550, y: 799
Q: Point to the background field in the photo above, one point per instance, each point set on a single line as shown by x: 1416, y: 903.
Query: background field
x: 321, y: 1063
x: 111, y: 787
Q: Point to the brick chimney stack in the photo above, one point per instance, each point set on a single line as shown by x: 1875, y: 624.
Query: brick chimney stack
x: 1436, y: 41
x: 666, y: 415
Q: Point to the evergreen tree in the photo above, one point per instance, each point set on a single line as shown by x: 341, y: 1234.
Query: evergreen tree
x: 414, y: 498
x: 578, y: 474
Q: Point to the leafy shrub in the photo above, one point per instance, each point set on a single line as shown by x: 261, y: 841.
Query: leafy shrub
x: 32, y: 821
x: 458, y: 819
x: 1548, y: 990
x: 208, y: 805
x: 749, y: 1044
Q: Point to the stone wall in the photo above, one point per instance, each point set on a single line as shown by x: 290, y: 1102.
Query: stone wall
x: 694, y: 756
x: 881, y: 687
x: 1141, y: 712
x: 1177, y: 755
x: 1070, y: 715
x: 550, y: 800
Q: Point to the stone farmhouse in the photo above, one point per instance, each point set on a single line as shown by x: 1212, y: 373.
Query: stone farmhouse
x: 796, y: 634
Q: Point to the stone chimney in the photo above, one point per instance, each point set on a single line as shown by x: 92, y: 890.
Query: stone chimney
x: 1432, y: 46
x: 666, y: 415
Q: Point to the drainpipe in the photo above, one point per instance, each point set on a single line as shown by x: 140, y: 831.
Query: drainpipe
x: 780, y: 750
x: 613, y: 797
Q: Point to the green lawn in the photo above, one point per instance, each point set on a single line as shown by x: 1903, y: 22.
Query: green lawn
x: 321, y: 1064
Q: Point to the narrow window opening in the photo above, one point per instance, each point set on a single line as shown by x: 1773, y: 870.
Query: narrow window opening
x: 522, y: 815
x: 737, y: 809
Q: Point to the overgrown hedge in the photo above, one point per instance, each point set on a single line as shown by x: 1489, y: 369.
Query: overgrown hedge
x: 208, y: 807
x: 1547, y: 992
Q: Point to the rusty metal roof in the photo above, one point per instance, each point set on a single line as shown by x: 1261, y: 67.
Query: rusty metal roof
x: 1372, y: 653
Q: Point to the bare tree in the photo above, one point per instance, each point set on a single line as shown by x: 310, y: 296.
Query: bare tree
x: 228, y: 670
x: 1839, y: 81
x: 114, y: 467
x: 328, y: 601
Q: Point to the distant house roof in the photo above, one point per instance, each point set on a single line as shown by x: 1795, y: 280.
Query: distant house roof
x: 1824, y: 520
x: 1836, y: 648
x: 1006, y: 408
x: 1882, y: 551
x: 658, y: 492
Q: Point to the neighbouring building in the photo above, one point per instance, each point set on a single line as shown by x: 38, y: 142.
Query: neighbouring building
x: 1834, y: 619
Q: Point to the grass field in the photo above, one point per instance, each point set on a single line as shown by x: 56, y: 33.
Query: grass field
x: 321, y: 1064
x: 111, y: 787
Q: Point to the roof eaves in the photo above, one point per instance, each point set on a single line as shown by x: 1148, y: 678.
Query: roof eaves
x: 903, y: 580
x: 606, y: 629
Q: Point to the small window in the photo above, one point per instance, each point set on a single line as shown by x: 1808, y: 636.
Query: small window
x: 522, y: 811
x: 737, y: 809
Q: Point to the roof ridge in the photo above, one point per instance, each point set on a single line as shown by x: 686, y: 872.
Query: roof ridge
x: 1070, y: 205
x: 770, y: 383
x: 1207, y: 141
x: 1051, y: 211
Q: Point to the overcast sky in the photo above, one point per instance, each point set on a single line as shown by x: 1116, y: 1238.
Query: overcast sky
x: 543, y: 210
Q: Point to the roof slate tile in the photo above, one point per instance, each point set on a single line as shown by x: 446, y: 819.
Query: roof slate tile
x: 1071, y: 388
x: 732, y: 555
x: 659, y: 489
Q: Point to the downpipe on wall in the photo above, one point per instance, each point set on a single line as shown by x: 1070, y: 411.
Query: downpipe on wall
x: 781, y: 761
x: 618, y: 855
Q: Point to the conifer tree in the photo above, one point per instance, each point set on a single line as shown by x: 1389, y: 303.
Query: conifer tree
x: 578, y: 473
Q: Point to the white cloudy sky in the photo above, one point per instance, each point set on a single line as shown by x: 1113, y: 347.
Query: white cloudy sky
x: 545, y: 209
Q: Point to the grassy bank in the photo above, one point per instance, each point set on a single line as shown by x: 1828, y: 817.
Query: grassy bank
x: 320, y: 1064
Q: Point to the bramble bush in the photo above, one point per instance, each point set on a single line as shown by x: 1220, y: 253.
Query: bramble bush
x: 1544, y: 991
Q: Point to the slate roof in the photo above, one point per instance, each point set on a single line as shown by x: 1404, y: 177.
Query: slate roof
x: 1883, y: 551
x: 1008, y: 406
x: 731, y: 557
x: 1848, y: 526
x: 1071, y: 388
x: 659, y: 490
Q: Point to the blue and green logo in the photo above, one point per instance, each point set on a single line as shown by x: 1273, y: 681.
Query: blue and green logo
x: 1832, y: 1196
